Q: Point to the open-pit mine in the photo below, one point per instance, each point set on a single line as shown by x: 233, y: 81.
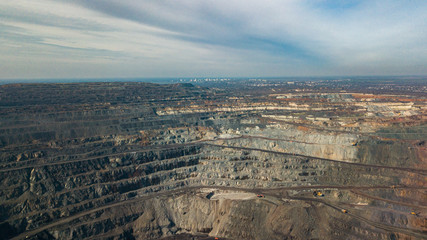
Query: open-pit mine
x: 235, y: 159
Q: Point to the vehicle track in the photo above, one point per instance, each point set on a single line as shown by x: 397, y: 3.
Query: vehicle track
x: 268, y: 192
x: 99, y: 157
x: 407, y: 231
x: 145, y: 149
x: 387, y: 200
x: 413, y: 170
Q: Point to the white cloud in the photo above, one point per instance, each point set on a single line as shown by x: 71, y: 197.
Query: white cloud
x: 214, y: 37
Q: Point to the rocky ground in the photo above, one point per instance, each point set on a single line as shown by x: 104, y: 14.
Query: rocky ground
x: 148, y: 161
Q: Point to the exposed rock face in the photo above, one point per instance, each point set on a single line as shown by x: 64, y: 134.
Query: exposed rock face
x: 147, y: 161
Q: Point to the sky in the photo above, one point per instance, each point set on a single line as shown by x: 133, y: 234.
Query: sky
x: 211, y: 38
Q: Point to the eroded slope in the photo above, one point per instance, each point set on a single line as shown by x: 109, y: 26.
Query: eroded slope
x: 134, y: 160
